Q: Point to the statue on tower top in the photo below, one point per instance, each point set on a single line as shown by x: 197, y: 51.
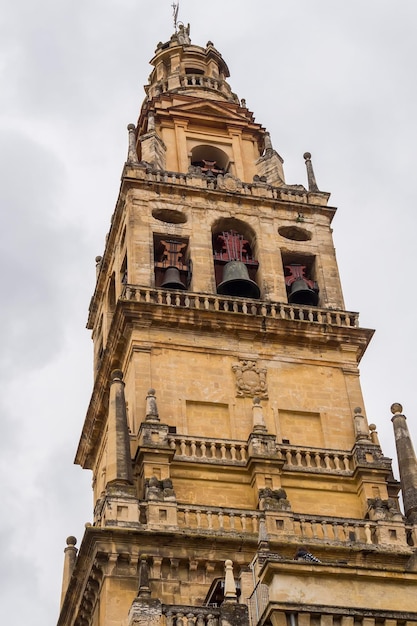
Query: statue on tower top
x: 182, y: 31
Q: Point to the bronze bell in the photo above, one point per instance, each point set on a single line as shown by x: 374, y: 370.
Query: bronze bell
x: 172, y: 279
x: 236, y: 281
x: 301, y: 293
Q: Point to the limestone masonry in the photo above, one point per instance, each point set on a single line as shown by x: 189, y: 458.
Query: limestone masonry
x: 236, y: 478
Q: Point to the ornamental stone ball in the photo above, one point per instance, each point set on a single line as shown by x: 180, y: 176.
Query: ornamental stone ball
x: 396, y: 408
x: 117, y: 375
x: 71, y: 541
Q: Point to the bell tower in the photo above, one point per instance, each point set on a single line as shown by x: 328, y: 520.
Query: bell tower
x: 226, y: 433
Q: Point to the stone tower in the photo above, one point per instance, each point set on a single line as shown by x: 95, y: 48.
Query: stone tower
x: 236, y: 479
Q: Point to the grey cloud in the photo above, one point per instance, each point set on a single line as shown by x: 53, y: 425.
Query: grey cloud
x: 35, y: 249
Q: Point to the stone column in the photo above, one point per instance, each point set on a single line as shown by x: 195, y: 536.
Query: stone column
x: 312, y: 185
x: 132, y: 156
x: 407, y: 463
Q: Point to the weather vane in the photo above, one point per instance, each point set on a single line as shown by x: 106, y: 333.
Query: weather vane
x: 175, y: 9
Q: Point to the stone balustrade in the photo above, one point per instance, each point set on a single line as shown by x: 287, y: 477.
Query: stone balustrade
x: 190, y: 615
x: 218, y: 519
x: 240, y: 306
x: 293, y: 527
x: 257, y: 189
x: 209, y: 450
x: 315, y: 459
x: 208, y: 82
x: 197, y: 80
x: 334, y: 529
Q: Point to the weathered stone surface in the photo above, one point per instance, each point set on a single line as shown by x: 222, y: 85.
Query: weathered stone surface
x: 255, y: 448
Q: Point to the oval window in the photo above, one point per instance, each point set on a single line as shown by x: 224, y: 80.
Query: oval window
x: 295, y: 233
x: 169, y: 215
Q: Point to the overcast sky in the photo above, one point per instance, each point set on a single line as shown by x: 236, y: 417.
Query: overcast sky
x: 335, y: 78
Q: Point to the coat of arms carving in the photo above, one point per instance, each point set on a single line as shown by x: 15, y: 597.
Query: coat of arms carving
x: 250, y: 380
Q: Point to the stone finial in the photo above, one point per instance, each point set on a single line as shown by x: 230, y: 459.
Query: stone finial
x: 98, y: 265
x: 361, y: 426
x: 70, y: 557
x: 230, y: 594
x: 268, y: 144
x: 144, y: 590
x: 151, y: 407
x: 407, y: 462
x: 116, y: 375
x: 312, y: 185
x: 374, y: 434
x: 258, y: 417
x: 132, y: 156
x: 396, y: 408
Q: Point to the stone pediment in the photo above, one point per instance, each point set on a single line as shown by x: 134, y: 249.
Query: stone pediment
x: 207, y: 109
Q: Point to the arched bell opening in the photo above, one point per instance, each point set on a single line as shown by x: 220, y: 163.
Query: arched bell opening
x: 210, y: 159
x: 300, y: 281
x: 172, y: 262
x: 235, y: 265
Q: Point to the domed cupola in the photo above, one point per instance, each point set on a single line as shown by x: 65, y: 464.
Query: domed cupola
x: 191, y: 121
x: 187, y: 69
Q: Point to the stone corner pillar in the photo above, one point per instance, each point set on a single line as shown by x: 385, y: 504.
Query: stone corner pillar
x: 407, y: 462
x: 70, y: 556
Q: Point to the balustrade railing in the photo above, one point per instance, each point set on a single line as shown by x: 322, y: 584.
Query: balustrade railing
x: 209, y: 450
x: 296, y: 526
x: 199, y: 80
x: 334, y: 529
x: 190, y: 615
x: 316, y: 459
x: 218, y: 519
x: 240, y: 306
x: 310, y: 528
